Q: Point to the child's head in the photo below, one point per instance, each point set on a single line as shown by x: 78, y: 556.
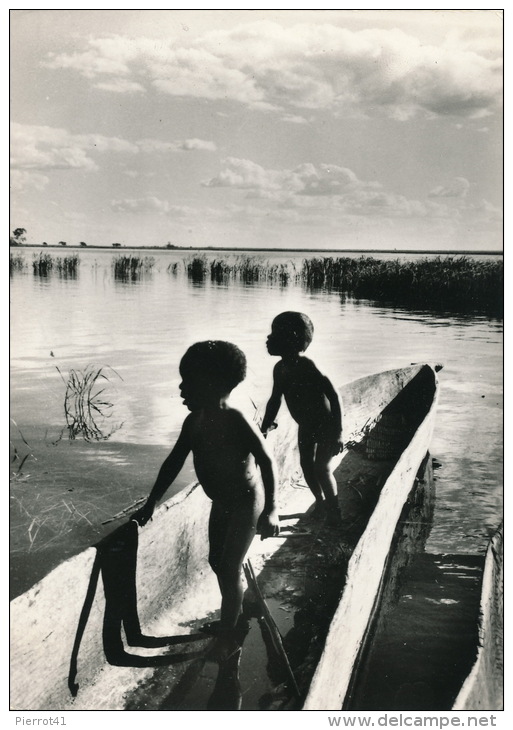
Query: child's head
x: 291, y: 333
x: 210, y: 369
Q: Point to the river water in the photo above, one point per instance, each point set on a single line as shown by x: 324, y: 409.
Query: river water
x: 63, y: 492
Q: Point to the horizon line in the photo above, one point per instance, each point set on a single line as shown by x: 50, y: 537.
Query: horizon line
x: 491, y: 252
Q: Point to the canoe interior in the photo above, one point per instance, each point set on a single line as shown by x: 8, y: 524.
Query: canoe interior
x: 92, y: 633
x: 483, y: 688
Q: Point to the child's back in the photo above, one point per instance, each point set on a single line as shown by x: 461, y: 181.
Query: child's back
x: 305, y: 389
x: 312, y: 401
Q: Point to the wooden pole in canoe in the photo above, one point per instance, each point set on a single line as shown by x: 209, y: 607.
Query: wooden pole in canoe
x: 271, y: 624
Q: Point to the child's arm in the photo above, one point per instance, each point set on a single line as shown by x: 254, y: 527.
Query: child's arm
x: 274, y: 402
x: 166, y: 476
x: 268, y: 522
x: 336, y: 412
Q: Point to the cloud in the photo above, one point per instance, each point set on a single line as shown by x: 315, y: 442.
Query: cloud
x: 51, y: 148
x: 309, y: 192
x: 23, y: 179
x: 186, y: 145
x: 147, y: 204
x: 264, y: 65
x: 306, y: 179
x: 120, y: 86
x: 154, y: 205
x: 197, y: 144
x: 457, y: 188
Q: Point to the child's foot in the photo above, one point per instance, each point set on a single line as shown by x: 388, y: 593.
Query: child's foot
x: 226, y: 647
x: 318, y: 512
x: 333, y: 517
x: 214, y: 628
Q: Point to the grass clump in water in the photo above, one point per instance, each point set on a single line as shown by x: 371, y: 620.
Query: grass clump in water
x: 85, y: 407
x: 67, y: 266
x: 132, y: 268
x: 42, y: 265
x: 247, y: 269
x: 16, y: 262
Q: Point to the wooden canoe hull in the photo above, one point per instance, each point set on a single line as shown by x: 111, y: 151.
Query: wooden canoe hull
x: 483, y: 688
x: 348, y: 627
x: 61, y: 657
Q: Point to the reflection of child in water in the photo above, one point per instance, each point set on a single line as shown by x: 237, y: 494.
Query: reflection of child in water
x: 313, y: 403
x: 225, y: 448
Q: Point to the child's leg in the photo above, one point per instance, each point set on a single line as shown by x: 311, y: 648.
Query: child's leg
x: 307, y: 457
x: 235, y: 532
x: 323, y: 457
x: 324, y: 473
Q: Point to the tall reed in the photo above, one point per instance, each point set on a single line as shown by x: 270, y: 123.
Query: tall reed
x: 247, y: 269
x: 67, y: 266
x: 16, y: 262
x: 42, y: 265
x: 441, y: 282
x: 132, y: 268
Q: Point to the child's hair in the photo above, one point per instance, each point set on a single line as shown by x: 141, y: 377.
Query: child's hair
x: 219, y: 363
x: 296, y: 329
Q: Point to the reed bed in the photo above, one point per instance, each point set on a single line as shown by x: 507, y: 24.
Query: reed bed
x: 457, y: 283
x: 66, y: 267
x: 132, y: 268
x: 447, y: 282
x: 247, y: 269
x: 16, y: 262
x: 42, y: 265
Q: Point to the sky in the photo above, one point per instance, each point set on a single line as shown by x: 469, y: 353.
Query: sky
x: 328, y: 129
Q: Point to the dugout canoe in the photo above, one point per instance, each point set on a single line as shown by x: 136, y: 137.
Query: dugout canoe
x: 483, y: 688
x: 116, y: 627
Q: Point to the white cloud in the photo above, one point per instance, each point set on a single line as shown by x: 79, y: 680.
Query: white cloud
x: 147, y: 204
x: 307, y: 66
x: 197, y: 144
x: 120, y: 86
x: 152, y: 204
x: 186, y: 145
x: 23, y: 179
x: 46, y: 148
x: 456, y: 188
x: 306, y: 179
x: 309, y: 191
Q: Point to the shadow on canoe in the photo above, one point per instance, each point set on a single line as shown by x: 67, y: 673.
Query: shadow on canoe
x: 116, y: 562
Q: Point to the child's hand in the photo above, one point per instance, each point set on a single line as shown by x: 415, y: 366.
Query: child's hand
x: 268, y: 524
x: 338, y: 445
x: 269, y: 428
x: 143, y: 515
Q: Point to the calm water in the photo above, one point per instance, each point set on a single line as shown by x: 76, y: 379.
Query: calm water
x: 141, y: 329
